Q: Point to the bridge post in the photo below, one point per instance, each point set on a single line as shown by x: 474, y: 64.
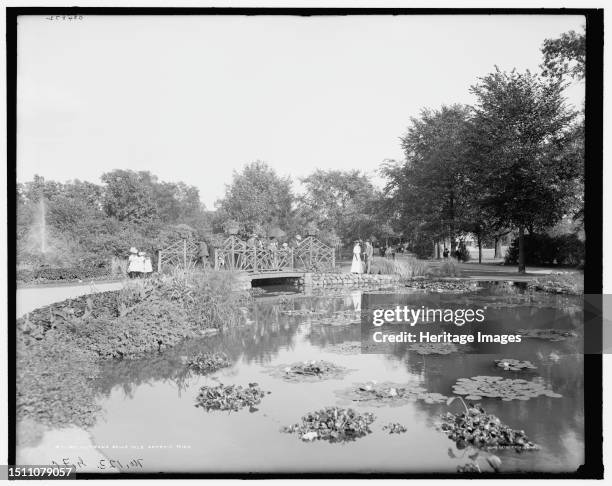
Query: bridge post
x: 255, y: 258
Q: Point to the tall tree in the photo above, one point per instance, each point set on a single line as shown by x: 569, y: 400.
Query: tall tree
x: 128, y: 195
x: 428, y: 188
x: 257, y: 196
x: 565, y: 55
x: 340, y: 202
x: 521, y: 132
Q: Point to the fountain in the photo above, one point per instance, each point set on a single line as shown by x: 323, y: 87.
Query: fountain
x: 43, y: 227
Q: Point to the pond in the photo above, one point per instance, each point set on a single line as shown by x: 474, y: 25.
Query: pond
x: 148, y: 406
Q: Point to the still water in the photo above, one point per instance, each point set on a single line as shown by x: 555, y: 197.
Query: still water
x: 148, y: 407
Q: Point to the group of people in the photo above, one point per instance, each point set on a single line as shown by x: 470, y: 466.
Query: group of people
x: 363, y: 254
x: 139, y: 264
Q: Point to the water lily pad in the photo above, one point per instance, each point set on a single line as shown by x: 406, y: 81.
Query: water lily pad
x: 309, y: 371
x: 395, y: 428
x: 230, y: 397
x: 496, y: 387
x: 547, y: 334
x: 434, y: 348
x: 349, y: 347
x: 332, y: 424
x: 205, y: 363
x: 484, y: 431
x: 387, y: 393
x: 509, y: 364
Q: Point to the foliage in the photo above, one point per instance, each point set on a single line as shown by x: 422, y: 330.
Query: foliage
x: 427, y: 189
x: 497, y: 387
x: 341, y: 203
x: 448, y: 268
x: 257, y: 199
x: 464, y: 253
x: 332, y: 424
x: 309, y: 370
x: 391, y: 393
x: 88, y: 224
x: 569, y: 283
x: 565, y: 55
x: 521, y: 143
x: 478, y: 429
x: 542, y: 249
x: 59, y: 346
x: 510, y: 364
x: 230, y: 397
x: 395, y: 428
x: 208, y: 362
x: 65, y: 274
x: 408, y: 267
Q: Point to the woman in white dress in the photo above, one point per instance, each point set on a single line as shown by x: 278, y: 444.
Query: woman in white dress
x: 131, y: 269
x: 356, y: 266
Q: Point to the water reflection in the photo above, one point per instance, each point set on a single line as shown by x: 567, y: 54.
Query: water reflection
x: 155, y: 395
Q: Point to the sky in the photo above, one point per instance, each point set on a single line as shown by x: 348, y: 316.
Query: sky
x: 194, y: 98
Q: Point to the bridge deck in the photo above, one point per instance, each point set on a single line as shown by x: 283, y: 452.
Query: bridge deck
x: 269, y: 275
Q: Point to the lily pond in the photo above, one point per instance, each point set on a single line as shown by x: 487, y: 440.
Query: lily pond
x: 299, y: 358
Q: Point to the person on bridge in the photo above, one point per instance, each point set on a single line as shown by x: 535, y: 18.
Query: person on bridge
x: 368, y: 255
x: 132, y: 263
x: 356, y: 265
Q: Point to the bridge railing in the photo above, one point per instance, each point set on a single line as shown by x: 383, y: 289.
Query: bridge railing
x: 308, y: 255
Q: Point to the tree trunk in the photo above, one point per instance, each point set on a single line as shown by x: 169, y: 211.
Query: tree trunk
x: 479, y: 249
x: 521, y: 258
x: 438, y: 249
x: 497, y: 247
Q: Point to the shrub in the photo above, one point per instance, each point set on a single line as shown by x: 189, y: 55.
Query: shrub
x: 61, y: 274
x: 542, y: 249
x: 422, y: 247
x: 464, y: 253
x: 449, y: 268
x: 404, y: 267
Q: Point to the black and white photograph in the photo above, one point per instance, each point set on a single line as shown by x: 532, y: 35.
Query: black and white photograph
x: 303, y: 242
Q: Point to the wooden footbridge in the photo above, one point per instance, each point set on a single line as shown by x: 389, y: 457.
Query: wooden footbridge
x: 255, y: 260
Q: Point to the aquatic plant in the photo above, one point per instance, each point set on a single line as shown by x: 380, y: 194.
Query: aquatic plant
x: 204, y: 363
x: 348, y: 347
x: 395, y: 428
x: 547, y: 334
x: 440, y: 286
x: 509, y: 364
x: 309, y: 371
x: 388, y: 393
x: 332, y: 424
x: 434, y: 348
x: 478, y: 429
x: 230, y: 397
x: 405, y: 268
x: 567, y: 283
x: 477, y: 387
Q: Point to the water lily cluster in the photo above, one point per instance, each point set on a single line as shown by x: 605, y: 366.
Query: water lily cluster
x: 395, y: 428
x: 332, y: 424
x: 509, y: 364
x: 230, y: 397
x: 434, y: 348
x: 477, y: 387
x: 547, y: 334
x: 392, y: 393
x: 204, y: 363
x: 479, y: 429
